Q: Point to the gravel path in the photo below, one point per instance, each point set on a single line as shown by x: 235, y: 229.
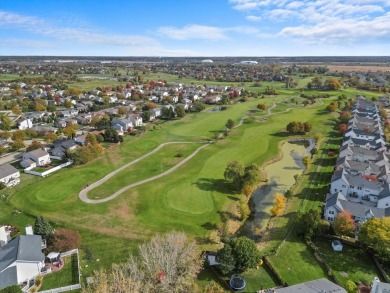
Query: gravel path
x: 84, y: 192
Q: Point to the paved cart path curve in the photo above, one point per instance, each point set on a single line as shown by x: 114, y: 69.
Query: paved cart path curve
x: 84, y: 192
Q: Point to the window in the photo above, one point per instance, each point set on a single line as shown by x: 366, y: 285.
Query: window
x: 344, y: 186
x: 330, y: 219
x: 335, y: 190
x: 331, y: 212
x: 359, y: 188
x: 351, y: 186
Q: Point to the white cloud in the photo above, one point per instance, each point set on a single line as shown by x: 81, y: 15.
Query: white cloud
x: 82, y: 35
x: 202, y: 32
x: 253, y: 18
x: 342, y: 30
x: 324, y: 21
x: 193, y: 32
x: 249, y: 4
x: 294, y: 5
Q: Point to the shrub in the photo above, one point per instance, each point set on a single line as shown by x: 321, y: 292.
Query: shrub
x: 179, y: 155
x: 12, y: 289
x: 135, y: 132
x: 64, y: 240
x: 351, y: 286
x: 2, y: 185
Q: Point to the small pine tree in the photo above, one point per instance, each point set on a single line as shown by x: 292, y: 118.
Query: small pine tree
x: 42, y: 227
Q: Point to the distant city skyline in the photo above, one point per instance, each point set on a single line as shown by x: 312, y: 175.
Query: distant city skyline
x: 195, y: 28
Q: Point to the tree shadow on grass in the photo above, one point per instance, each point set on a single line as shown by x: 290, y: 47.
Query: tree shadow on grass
x: 210, y: 226
x: 225, y: 216
x: 281, y: 134
x: 219, y: 185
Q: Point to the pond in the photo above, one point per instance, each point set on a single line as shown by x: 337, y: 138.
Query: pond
x: 280, y: 176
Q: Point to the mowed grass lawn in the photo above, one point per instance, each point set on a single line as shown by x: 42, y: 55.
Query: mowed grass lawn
x: 155, y: 164
x: 296, y: 263
x: 113, y: 229
x: 350, y: 264
x: 68, y: 275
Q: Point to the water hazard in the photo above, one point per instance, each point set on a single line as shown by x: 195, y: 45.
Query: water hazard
x: 280, y: 176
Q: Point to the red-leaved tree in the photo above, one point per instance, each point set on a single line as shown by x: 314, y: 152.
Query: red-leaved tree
x: 344, y: 224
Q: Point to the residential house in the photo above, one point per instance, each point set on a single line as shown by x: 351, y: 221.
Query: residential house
x: 316, y: 286
x: 379, y: 287
x: 337, y: 202
x: 39, y: 156
x: 60, y: 124
x: 122, y: 124
x: 80, y: 139
x: 379, y: 145
x: 24, y: 123
x: 136, y: 120
x: 9, y: 175
x: 68, y: 113
x: 355, y: 187
x: 360, y: 183
x: 84, y: 118
x: 61, y: 146
x: 21, y: 260
x: 5, y: 235
x: 156, y: 112
x: 358, y: 154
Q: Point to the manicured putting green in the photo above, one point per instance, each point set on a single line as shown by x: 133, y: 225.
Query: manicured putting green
x: 186, y: 197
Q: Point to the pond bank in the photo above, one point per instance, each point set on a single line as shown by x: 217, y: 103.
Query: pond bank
x: 280, y: 173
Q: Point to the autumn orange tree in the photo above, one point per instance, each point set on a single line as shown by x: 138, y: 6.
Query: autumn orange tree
x: 344, y: 224
x: 343, y: 128
x: 279, y: 204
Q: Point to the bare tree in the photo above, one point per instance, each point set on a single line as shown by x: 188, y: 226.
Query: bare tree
x: 168, y: 263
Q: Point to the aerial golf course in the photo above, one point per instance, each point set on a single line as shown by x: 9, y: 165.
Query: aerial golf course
x: 192, y: 198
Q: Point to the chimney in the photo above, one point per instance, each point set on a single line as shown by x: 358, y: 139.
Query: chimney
x: 375, y: 285
x: 29, y: 230
x: 4, y: 236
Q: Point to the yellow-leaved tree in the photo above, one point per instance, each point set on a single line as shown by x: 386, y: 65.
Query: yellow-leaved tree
x: 279, y: 204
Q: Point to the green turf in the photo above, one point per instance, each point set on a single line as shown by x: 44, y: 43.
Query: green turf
x: 296, y: 263
x: 350, y: 264
x: 68, y: 275
x: 152, y: 165
x: 258, y: 279
x: 186, y: 197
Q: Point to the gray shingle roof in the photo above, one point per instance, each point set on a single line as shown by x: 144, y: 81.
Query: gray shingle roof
x: 361, y: 182
x: 6, y: 170
x: 360, y: 210
x: 317, y: 286
x: 8, y: 277
x: 23, y: 248
x: 39, y: 153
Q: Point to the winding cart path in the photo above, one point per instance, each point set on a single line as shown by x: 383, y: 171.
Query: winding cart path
x: 84, y: 192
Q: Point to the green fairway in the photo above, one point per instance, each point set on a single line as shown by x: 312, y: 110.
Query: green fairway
x: 153, y: 165
x: 186, y: 197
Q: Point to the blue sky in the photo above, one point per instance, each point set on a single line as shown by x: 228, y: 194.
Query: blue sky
x: 195, y: 27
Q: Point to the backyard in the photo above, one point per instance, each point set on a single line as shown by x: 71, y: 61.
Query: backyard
x: 68, y: 275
